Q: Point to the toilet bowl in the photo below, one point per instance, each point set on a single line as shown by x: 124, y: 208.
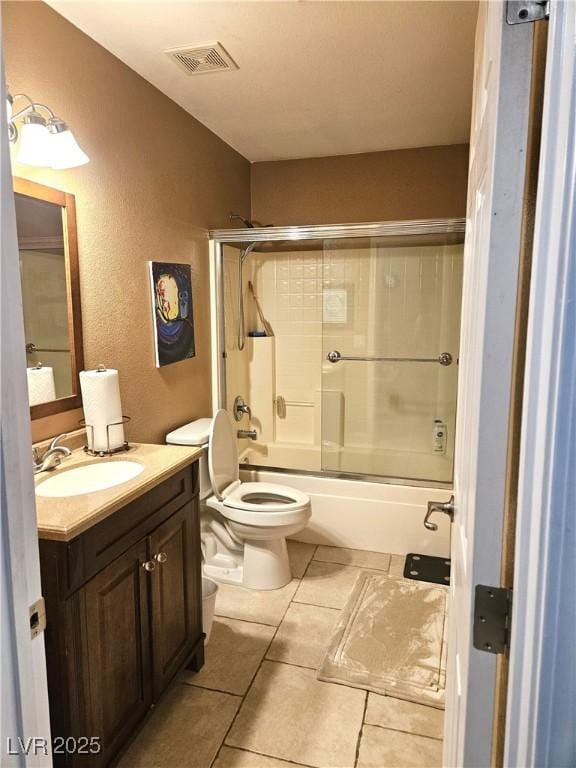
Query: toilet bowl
x: 244, y: 525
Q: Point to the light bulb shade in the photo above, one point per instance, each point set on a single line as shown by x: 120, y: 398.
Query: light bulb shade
x: 64, y: 149
x: 34, y: 143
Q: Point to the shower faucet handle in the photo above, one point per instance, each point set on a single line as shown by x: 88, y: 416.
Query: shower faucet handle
x: 438, y: 506
x: 240, y: 408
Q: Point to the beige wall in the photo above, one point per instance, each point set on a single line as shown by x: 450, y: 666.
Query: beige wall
x: 424, y: 183
x: 157, y: 178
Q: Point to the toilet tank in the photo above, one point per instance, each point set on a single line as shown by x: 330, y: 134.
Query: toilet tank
x: 195, y: 433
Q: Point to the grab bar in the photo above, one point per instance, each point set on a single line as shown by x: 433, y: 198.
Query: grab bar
x: 444, y: 358
x: 31, y: 348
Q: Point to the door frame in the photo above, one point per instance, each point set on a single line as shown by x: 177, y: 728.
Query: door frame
x: 542, y: 677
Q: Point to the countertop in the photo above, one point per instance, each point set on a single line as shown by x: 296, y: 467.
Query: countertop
x: 63, y: 518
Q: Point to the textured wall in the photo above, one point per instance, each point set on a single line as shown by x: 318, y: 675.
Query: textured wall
x: 424, y: 183
x: 157, y: 178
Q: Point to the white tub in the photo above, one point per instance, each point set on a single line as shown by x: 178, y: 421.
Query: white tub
x: 377, y: 517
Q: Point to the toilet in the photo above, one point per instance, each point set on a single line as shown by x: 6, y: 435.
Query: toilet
x: 243, y: 525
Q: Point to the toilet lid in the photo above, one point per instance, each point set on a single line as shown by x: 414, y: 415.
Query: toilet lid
x: 222, y: 454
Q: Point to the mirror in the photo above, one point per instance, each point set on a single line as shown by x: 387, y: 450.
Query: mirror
x: 46, y: 224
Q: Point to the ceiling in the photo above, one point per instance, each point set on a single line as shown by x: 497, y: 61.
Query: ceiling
x: 314, y: 78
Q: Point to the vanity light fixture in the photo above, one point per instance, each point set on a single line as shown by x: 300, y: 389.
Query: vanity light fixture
x: 44, y: 142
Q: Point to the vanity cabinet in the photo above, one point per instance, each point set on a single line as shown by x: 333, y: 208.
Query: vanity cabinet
x: 124, y: 615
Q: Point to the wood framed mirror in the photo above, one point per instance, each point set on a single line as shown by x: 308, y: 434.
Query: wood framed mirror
x: 46, y: 223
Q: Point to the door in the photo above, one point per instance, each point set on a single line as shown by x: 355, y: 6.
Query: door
x: 117, y: 641
x: 500, y: 117
x: 176, y: 603
x: 24, y: 707
x: 390, y: 335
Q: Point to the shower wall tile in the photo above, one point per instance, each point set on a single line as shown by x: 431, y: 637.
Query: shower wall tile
x: 310, y: 270
x: 282, y: 271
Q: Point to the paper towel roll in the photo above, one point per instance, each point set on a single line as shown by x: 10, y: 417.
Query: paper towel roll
x: 41, y: 387
x: 102, y: 407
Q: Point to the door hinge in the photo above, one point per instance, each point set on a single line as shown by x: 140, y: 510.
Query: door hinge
x: 37, y: 612
x: 492, y: 612
x: 523, y: 11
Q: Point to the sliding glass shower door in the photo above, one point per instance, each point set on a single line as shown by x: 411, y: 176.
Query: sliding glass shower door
x: 390, y: 336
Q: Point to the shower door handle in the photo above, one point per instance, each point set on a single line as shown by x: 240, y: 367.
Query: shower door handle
x: 444, y: 358
x: 438, y: 506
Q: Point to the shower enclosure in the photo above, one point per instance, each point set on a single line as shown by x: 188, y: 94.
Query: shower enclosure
x: 360, y: 377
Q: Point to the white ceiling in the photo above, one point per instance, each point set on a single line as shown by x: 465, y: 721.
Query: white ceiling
x: 314, y: 78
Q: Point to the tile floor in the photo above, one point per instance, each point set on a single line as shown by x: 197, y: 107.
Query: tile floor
x: 257, y: 703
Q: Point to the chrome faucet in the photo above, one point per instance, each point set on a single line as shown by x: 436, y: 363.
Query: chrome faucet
x: 51, y: 458
x: 250, y: 434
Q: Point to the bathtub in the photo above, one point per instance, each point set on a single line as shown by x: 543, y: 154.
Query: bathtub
x: 378, y: 517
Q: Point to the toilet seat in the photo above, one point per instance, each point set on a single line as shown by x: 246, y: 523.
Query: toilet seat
x: 265, y: 497
x: 264, y: 504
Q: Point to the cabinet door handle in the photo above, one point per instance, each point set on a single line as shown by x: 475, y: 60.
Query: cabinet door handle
x: 161, y: 557
x: 149, y: 565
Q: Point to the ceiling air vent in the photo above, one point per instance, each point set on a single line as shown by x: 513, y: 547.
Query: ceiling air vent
x: 202, y: 59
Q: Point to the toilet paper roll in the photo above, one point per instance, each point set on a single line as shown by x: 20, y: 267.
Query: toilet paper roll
x: 102, y: 407
x: 41, y: 387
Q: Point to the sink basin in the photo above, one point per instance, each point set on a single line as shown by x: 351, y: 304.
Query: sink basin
x: 88, y: 478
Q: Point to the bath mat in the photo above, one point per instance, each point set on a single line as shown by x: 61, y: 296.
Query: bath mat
x: 391, y: 639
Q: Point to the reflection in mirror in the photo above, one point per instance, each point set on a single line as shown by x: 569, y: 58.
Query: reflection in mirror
x: 44, y: 298
x: 46, y: 225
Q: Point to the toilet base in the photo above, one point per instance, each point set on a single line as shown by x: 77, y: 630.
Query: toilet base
x: 266, y: 564
x: 263, y: 565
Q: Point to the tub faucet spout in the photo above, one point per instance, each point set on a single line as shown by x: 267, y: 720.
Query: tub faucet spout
x: 250, y: 434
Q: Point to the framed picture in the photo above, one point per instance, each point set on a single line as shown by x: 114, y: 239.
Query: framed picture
x: 171, y: 288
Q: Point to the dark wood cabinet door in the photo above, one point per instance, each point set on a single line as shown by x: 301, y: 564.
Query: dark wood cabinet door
x: 176, y: 603
x: 117, y: 638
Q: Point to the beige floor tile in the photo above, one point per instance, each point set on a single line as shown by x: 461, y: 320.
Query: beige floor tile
x: 304, y: 635
x: 396, y: 569
x: 266, y: 607
x: 299, y: 554
x: 382, y: 748
x: 404, y: 716
x: 239, y: 758
x: 289, y: 714
x: 233, y: 655
x: 327, y: 584
x: 186, y: 729
x: 358, y: 557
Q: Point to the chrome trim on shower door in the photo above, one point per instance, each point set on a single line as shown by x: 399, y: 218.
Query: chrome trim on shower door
x: 329, y: 231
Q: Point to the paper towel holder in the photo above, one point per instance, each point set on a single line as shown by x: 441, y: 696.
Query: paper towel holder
x: 110, y: 451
